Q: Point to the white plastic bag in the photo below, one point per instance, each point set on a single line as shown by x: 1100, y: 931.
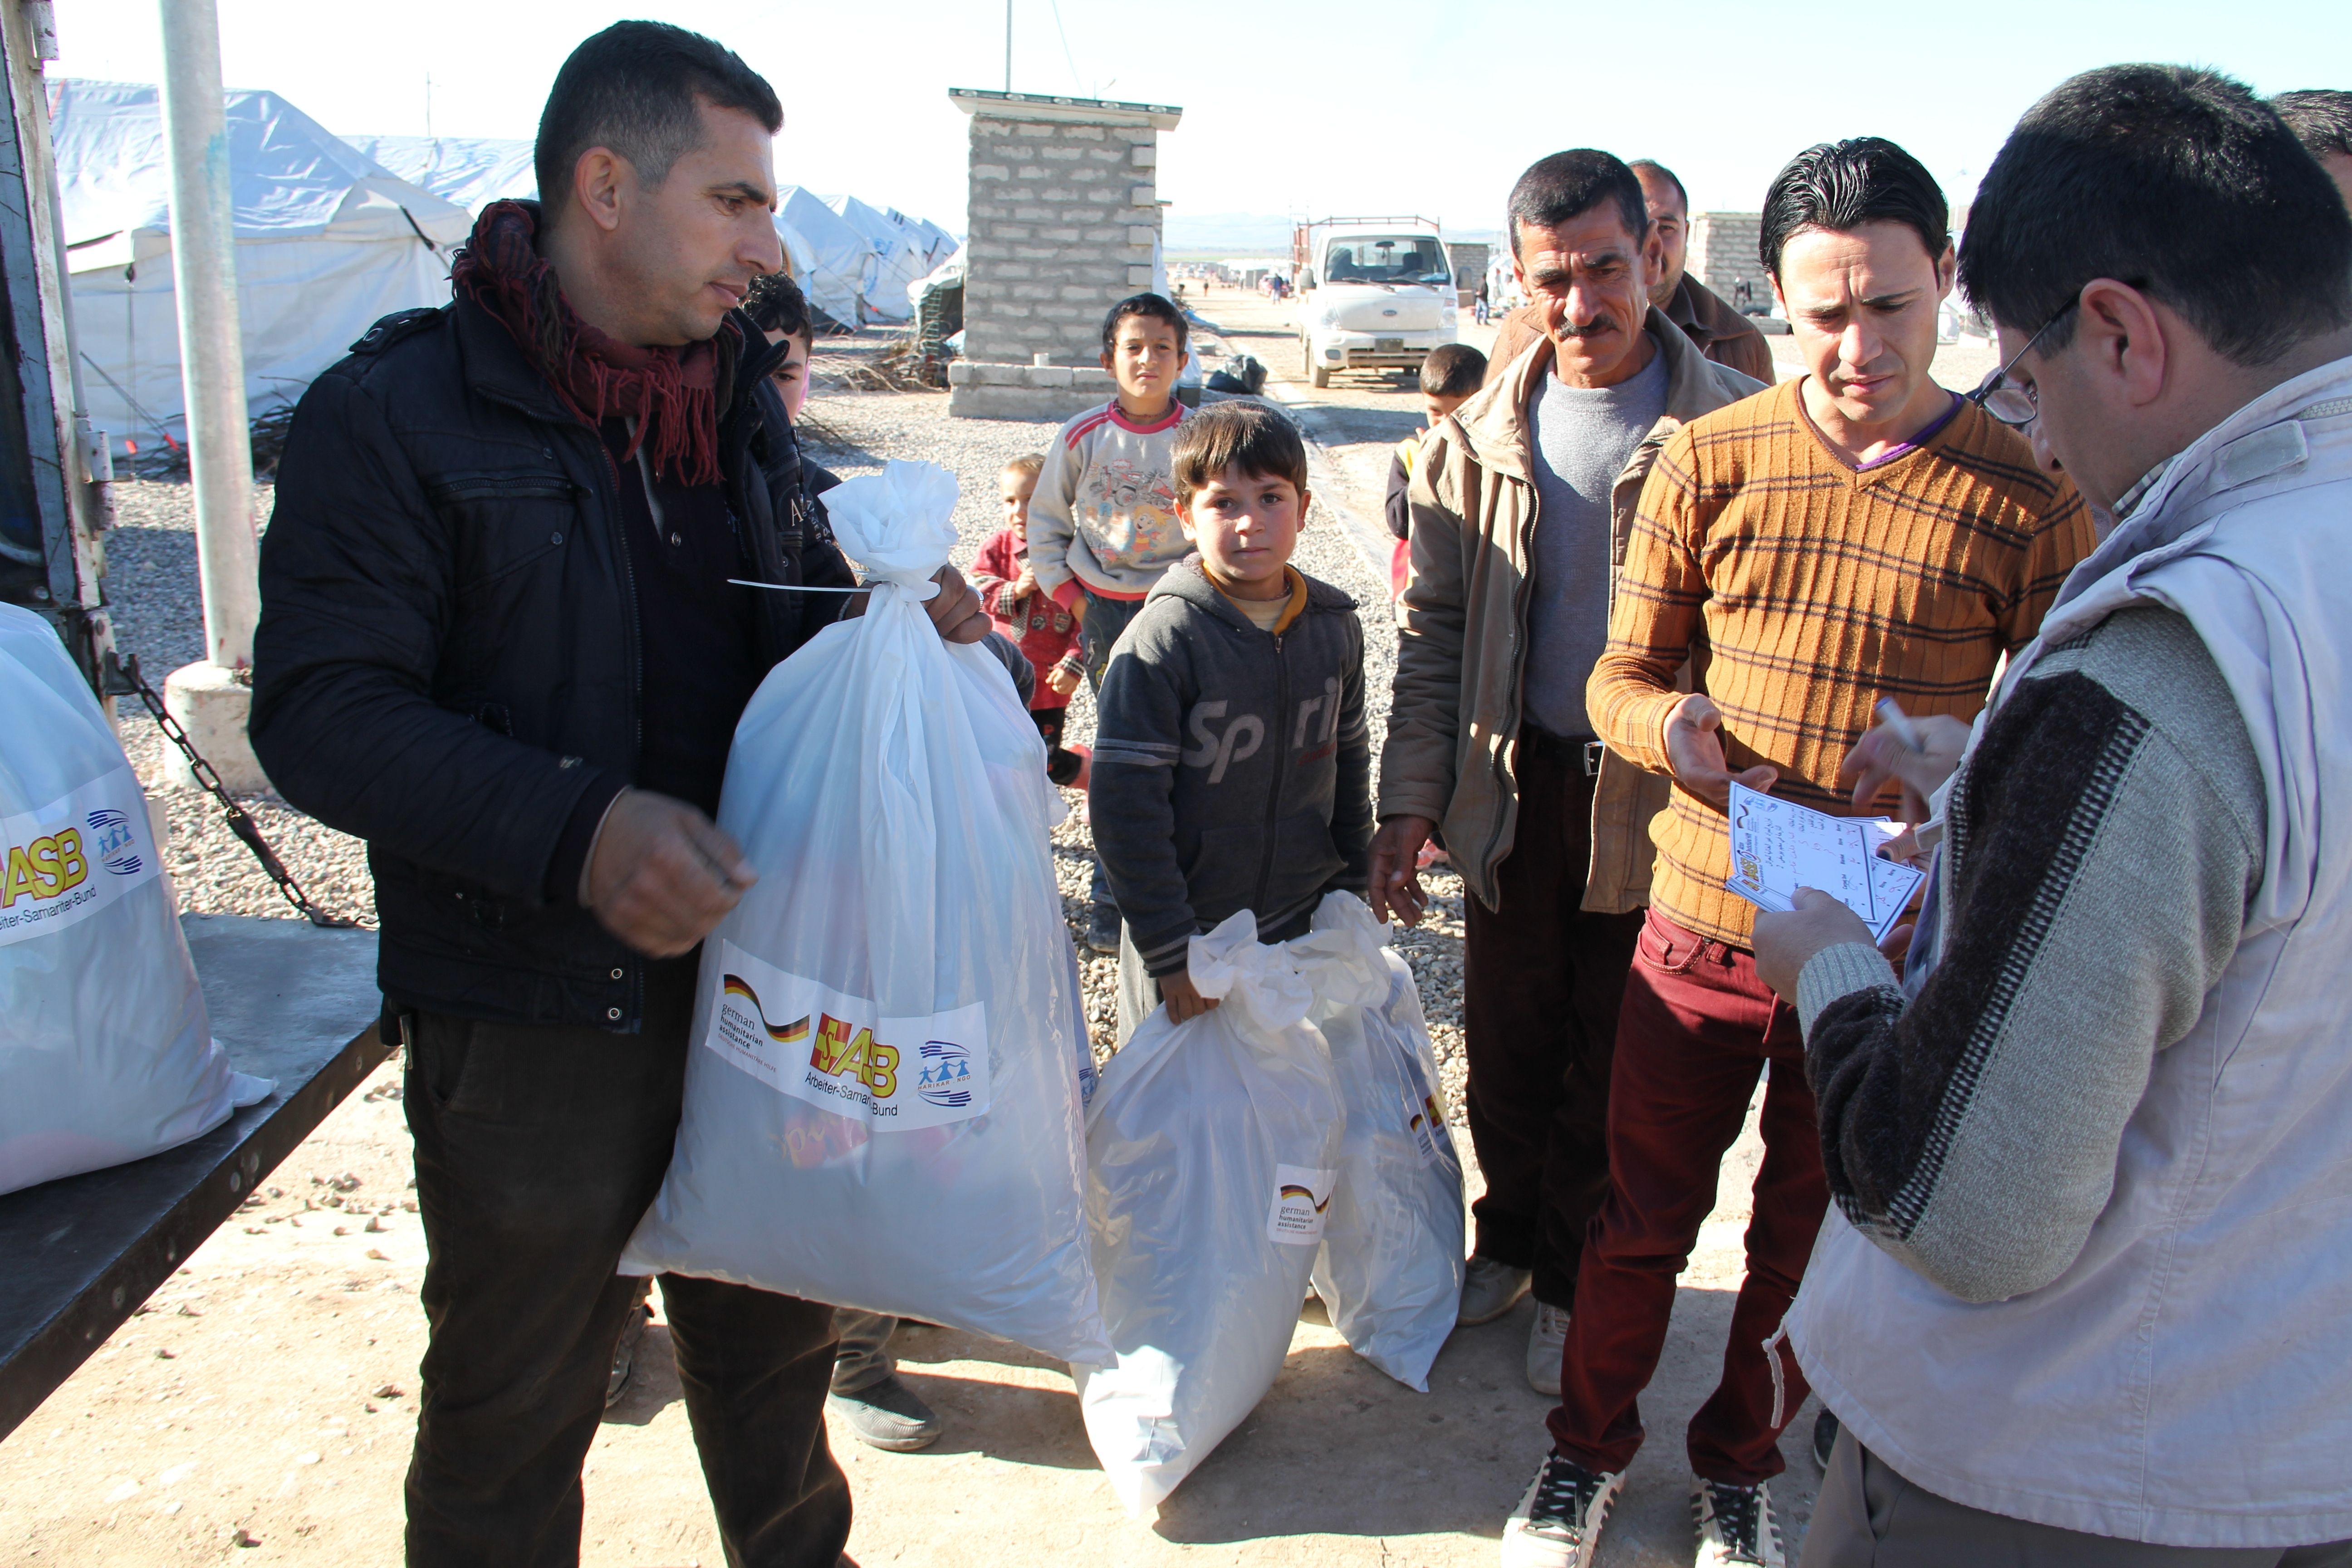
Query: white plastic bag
x: 881, y: 1110
x: 1391, y: 1266
x: 1211, y: 1148
x: 106, y: 1053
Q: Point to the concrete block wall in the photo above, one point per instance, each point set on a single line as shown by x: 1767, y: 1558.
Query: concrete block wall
x: 1723, y: 255
x: 1062, y: 223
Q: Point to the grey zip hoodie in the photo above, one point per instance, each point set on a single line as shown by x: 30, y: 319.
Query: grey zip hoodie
x: 1231, y: 767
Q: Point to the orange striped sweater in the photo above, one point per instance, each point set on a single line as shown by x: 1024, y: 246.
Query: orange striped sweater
x: 1802, y: 590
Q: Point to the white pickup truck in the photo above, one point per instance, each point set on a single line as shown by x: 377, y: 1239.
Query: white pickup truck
x: 1374, y: 294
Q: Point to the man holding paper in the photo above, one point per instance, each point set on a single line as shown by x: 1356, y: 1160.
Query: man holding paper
x: 2083, y: 1301
x: 1855, y: 533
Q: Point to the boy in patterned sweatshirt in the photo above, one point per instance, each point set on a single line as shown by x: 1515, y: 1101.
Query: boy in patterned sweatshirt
x: 1103, y: 524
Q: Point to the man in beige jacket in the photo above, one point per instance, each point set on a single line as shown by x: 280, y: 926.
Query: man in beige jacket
x: 1521, y: 506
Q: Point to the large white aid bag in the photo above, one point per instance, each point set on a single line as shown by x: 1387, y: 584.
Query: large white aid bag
x: 1389, y: 1270
x: 106, y: 1053
x: 1211, y: 1148
x: 882, y: 1109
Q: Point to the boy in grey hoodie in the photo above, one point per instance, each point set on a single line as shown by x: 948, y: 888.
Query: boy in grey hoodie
x: 1231, y: 765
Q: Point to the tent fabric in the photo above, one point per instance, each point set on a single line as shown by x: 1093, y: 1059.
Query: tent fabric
x: 843, y: 270
x: 470, y: 172
x: 326, y: 241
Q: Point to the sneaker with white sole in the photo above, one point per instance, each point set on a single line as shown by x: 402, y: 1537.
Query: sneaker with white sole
x: 1489, y: 1290
x: 1547, y: 1338
x: 1736, y: 1527
x: 1558, y: 1523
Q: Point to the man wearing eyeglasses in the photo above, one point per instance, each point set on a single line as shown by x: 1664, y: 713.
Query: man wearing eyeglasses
x: 1856, y: 533
x: 2083, y: 1301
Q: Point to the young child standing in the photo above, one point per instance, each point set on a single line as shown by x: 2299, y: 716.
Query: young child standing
x: 1449, y: 375
x: 1046, y: 633
x: 1231, y: 764
x: 1104, y: 520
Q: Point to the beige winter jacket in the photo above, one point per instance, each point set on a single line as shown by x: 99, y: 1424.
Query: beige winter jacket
x: 1463, y: 625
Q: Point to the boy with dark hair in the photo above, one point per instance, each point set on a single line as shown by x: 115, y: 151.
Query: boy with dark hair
x: 1103, y: 524
x: 1231, y: 764
x: 1858, y: 532
x: 1449, y: 376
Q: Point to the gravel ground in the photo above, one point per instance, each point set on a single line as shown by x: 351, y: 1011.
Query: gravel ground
x: 158, y: 617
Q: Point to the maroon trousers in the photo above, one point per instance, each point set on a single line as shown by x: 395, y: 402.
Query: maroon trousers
x: 1695, y: 1030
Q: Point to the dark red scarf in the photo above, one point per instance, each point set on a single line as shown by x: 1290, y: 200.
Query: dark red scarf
x: 673, y: 395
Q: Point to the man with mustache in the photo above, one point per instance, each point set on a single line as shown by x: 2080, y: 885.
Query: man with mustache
x: 498, y: 641
x: 1521, y: 499
x: 1705, y: 317
x: 1859, y: 532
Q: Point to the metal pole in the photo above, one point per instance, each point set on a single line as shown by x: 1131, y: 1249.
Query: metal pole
x: 212, y: 356
x: 1008, y: 45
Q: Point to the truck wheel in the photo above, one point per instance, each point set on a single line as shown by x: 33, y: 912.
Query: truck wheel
x: 1321, y: 377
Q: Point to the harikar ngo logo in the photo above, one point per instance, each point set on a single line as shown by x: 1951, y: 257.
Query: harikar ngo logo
x: 852, y: 1066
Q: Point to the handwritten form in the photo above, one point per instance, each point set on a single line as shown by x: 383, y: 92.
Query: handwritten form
x: 1778, y: 846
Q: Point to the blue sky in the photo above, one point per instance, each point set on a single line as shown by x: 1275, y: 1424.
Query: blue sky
x: 1333, y: 105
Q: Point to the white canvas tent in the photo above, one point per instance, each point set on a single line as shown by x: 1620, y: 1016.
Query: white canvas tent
x: 905, y: 250
x: 327, y: 242
x: 471, y: 172
x: 842, y: 268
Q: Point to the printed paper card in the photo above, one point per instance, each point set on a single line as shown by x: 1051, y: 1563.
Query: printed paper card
x: 1779, y: 846
x: 836, y: 1051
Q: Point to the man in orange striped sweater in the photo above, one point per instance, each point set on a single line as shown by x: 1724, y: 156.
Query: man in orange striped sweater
x: 1856, y: 533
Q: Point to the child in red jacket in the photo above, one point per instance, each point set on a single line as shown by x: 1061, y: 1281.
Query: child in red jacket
x: 1046, y: 632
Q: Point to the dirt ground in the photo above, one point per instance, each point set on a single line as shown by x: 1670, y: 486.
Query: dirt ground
x: 260, y: 1408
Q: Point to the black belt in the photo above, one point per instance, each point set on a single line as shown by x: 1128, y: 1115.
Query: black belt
x: 1582, y: 752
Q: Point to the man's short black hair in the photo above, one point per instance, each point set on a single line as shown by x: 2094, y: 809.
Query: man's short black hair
x: 1241, y: 433
x: 632, y: 87
x: 1659, y: 171
x: 1156, y: 307
x: 1568, y: 185
x: 776, y: 304
x: 1453, y: 370
x: 2176, y: 181
x: 1842, y: 185
x: 2320, y: 117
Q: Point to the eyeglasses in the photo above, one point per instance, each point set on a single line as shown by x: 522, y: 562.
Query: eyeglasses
x: 2017, y: 407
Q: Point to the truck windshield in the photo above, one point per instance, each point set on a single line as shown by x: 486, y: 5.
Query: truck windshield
x: 1387, y: 258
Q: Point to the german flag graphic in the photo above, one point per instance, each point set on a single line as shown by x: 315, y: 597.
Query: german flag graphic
x: 782, y: 1033
x: 1293, y: 1190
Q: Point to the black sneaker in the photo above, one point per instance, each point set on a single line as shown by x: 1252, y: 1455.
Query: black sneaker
x: 1736, y: 1527
x: 1825, y: 1431
x: 1558, y: 1523
x: 888, y: 1416
x: 1102, y: 929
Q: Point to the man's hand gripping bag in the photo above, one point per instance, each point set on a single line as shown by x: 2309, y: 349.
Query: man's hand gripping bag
x: 880, y: 1106
x: 106, y: 1053
x: 1390, y: 1268
x: 1210, y: 1155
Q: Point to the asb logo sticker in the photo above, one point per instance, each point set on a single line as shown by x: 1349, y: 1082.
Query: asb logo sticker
x: 836, y: 1050
x: 1301, y: 1197
x: 48, y: 855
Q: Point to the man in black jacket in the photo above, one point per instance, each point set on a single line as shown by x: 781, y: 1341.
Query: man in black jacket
x: 498, y: 641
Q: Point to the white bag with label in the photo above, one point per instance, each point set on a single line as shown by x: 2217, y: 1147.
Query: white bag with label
x: 1210, y: 1153
x: 1390, y: 1271
x: 106, y: 1053
x: 880, y: 1106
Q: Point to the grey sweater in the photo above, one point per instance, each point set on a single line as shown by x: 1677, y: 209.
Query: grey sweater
x: 1231, y: 767
x: 2102, y: 842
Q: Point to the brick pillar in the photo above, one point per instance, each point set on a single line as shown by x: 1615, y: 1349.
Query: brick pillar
x: 1722, y: 255
x: 1063, y: 219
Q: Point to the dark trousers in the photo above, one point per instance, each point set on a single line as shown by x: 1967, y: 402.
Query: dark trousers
x: 1105, y: 620
x: 537, y: 1151
x: 1542, y: 981
x: 1870, y: 1517
x: 1697, y: 1029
